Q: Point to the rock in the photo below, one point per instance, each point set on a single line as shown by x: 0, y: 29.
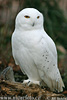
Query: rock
x: 7, y: 74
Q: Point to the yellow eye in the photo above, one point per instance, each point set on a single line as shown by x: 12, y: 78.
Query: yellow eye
x: 38, y: 17
x: 27, y: 16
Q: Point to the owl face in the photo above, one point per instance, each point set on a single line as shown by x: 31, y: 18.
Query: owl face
x: 29, y: 19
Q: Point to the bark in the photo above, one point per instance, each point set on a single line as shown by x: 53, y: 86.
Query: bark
x: 18, y: 89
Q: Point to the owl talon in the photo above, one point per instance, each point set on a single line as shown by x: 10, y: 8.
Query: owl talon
x: 26, y: 81
x: 34, y: 82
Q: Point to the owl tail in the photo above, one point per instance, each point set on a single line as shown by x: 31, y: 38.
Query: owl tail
x: 54, y: 83
x: 60, y: 85
x: 57, y: 86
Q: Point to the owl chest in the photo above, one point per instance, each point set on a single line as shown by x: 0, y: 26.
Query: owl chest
x: 28, y: 40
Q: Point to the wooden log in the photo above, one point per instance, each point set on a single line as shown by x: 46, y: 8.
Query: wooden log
x: 18, y: 89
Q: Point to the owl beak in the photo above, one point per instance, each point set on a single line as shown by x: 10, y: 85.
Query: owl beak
x: 33, y: 24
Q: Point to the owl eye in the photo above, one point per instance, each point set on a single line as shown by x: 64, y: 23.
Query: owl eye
x: 27, y: 16
x: 38, y: 17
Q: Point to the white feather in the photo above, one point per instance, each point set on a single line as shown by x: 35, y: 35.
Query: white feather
x: 34, y: 51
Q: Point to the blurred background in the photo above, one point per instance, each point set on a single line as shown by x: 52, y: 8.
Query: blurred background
x: 55, y: 24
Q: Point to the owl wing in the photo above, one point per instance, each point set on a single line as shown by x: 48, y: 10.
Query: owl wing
x: 46, y: 62
x: 16, y: 62
x: 50, y: 44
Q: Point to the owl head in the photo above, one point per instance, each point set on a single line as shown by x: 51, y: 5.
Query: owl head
x: 29, y: 19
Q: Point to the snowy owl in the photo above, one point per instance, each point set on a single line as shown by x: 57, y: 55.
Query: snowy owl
x: 34, y: 51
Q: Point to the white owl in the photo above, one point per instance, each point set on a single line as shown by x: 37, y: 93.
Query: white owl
x: 34, y: 51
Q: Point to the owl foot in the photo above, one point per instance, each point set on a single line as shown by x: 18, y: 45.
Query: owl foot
x: 29, y: 82
x: 43, y: 84
x: 34, y: 82
x: 26, y: 81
